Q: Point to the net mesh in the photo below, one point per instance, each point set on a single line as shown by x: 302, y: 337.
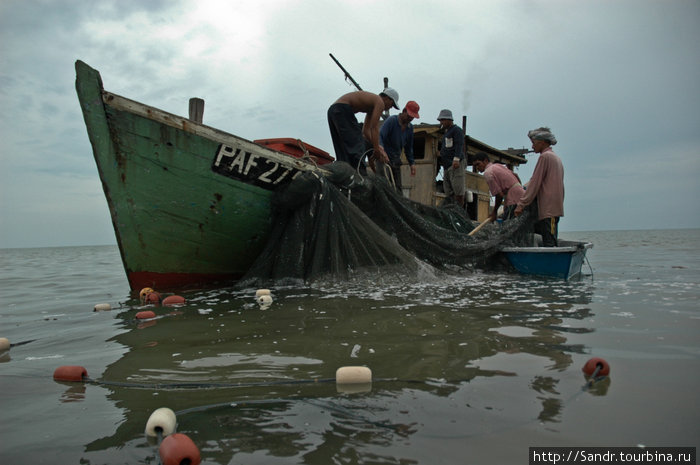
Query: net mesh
x: 337, y: 222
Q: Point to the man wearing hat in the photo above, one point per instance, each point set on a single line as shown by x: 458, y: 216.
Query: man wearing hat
x: 452, y: 158
x: 348, y: 135
x: 396, y: 135
x: 546, y: 186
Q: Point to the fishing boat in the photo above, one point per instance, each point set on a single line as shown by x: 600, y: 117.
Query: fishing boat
x: 564, y: 261
x: 192, y: 205
x: 189, y: 204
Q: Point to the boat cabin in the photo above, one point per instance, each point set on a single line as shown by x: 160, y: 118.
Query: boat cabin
x: 426, y: 186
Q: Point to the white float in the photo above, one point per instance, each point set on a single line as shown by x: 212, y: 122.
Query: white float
x: 102, y: 307
x: 353, y: 375
x: 260, y: 292
x: 4, y: 344
x: 163, y: 420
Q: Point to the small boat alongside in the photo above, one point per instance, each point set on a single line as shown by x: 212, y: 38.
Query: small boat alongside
x: 563, y: 262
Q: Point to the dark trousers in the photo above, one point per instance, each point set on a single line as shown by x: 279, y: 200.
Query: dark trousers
x: 346, y: 132
x: 548, y: 228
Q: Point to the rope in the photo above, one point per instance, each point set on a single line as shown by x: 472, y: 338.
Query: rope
x: 589, y: 265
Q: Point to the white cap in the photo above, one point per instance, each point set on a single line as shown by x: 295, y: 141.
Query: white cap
x: 393, y: 95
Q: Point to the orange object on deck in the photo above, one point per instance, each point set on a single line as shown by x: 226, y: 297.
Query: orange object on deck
x: 297, y: 149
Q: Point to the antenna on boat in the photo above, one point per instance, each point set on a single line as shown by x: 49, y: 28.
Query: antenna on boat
x: 385, y: 114
x: 347, y: 75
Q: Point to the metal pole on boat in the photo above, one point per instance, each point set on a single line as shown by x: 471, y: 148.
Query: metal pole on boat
x: 347, y: 75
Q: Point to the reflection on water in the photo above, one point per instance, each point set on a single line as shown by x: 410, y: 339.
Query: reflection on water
x: 452, y: 357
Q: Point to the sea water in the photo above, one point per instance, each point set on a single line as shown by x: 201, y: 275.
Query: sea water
x: 468, y: 367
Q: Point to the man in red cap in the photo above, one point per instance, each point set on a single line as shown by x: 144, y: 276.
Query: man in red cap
x: 397, y: 135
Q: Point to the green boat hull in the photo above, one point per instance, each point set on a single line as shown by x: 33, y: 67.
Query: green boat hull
x: 190, y: 204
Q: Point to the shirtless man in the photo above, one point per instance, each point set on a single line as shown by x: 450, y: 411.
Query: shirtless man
x: 348, y: 135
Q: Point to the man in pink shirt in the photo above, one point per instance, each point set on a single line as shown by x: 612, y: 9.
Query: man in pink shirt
x: 546, y: 185
x: 502, y: 183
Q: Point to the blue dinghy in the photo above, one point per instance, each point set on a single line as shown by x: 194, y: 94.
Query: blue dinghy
x: 563, y: 262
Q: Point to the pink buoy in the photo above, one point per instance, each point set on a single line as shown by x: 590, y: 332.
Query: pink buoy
x: 178, y: 449
x: 146, y: 314
x: 596, y: 366
x: 173, y: 300
x: 69, y: 373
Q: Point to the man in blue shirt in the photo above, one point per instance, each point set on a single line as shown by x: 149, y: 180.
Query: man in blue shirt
x: 396, y: 135
x: 452, y: 158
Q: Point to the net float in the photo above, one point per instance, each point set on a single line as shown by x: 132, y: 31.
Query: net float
x: 353, y: 375
x: 173, y: 300
x: 596, y: 367
x: 152, y: 298
x: 146, y: 314
x: 102, y: 308
x: 69, y: 373
x: 4, y: 344
x: 260, y: 292
x: 144, y: 292
x: 162, y: 421
x: 178, y: 449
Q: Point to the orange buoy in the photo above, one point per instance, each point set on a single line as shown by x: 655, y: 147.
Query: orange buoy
x: 173, y: 300
x: 152, y: 298
x: 596, y: 366
x: 177, y: 449
x: 144, y: 292
x: 69, y: 373
x: 145, y: 314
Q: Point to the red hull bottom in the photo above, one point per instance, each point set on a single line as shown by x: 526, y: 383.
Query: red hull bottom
x: 169, y: 281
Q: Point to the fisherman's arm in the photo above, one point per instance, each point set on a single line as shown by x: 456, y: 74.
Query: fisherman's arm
x: 408, y: 149
x: 370, y: 130
x: 494, y: 213
x: 458, y: 141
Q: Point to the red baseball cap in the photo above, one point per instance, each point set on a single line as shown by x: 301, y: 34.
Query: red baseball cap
x: 412, y: 109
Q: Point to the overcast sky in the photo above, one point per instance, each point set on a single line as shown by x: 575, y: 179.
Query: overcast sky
x: 617, y: 81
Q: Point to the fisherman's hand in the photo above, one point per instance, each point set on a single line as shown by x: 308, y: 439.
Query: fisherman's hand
x: 455, y: 164
x: 381, y: 154
x: 413, y: 170
x: 518, y: 210
x: 372, y: 165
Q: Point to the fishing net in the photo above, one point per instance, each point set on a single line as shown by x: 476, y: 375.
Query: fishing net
x: 339, y: 221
